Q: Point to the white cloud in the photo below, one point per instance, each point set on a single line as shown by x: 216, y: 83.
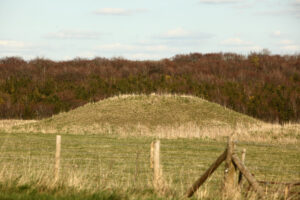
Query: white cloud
x: 87, y: 54
x: 235, y: 42
x: 180, y: 33
x: 294, y: 11
x: 138, y: 51
x: 255, y: 48
x: 286, y: 42
x: 19, y: 48
x: 288, y: 45
x: 219, y: 1
x: 144, y: 56
x: 276, y: 33
x: 11, y: 44
x: 296, y: 2
x: 118, y: 11
x: 74, y: 34
x: 289, y: 8
x: 118, y: 47
x: 291, y: 47
x: 296, y: 8
x: 158, y: 48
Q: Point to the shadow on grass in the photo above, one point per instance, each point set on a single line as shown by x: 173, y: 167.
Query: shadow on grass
x: 28, y: 192
x: 33, y: 192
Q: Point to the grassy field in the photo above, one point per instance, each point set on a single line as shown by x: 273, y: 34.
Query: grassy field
x: 106, y: 150
x: 120, y: 166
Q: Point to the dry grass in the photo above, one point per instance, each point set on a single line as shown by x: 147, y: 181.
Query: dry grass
x: 159, y: 116
x: 7, y: 125
x: 264, y: 132
x: 105, y: 146
x: 100, y: 162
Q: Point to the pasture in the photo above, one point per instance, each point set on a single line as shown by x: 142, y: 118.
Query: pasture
x: 110, y: 158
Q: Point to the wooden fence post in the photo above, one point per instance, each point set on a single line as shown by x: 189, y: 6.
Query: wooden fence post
x: 248, y: 176
x: 286, y: 192
x: 57, y: 157
x: 156, y: 166
x: 190, y: 192
x: 151, y: 155
x: 240, y: 180
x: 229, y: 174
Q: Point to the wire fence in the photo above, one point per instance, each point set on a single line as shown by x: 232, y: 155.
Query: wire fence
x: 117, y: 161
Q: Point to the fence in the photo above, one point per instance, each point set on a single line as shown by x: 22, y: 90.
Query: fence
x: 232, y: 163
x: 108, y: 162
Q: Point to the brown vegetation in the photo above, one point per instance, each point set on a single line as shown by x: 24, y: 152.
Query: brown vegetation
x: 263, y: 86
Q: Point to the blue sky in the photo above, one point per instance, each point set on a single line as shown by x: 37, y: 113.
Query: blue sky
x: 140, y: 29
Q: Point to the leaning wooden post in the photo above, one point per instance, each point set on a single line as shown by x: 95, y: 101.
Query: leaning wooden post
x: 190, y: 192
x: 229, y: 174
x: 248, y: 175
x: 57, y: 157
x: 240, y: 180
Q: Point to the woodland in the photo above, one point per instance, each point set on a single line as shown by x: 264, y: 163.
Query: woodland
x: 260, y: 85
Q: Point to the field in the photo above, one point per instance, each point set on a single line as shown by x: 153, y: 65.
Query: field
x: 106, y: 153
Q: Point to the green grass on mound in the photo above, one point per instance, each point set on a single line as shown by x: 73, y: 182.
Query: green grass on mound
x: 144, y: 113
x: 150, y: 111
x: 159, y: 116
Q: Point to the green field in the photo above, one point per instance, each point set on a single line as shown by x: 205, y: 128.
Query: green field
x: 98, y: 162
x: 121, y: 165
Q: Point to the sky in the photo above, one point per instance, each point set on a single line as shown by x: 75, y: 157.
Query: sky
x: 146, y: 30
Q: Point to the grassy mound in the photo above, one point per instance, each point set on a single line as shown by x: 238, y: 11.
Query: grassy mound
x: 150, y: 111
x: 163, y: 116
x: 144, y: 113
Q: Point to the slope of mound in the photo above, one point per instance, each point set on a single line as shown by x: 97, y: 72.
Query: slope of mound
x: 144, y: 113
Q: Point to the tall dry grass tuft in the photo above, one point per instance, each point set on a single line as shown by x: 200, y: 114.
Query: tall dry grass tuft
x: 8, y: 124
x: 75, y: 179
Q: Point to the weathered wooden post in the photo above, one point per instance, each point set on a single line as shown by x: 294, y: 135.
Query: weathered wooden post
x: 286, y: 192
x: 240, y: 180
x: 159, y: 183
x: 248, y: 176
x: 136, y: 174
x: 156, y: 165
x: 57, y: 157
x: 229, y: 174
x: 190, y: 192
x: 151, y: 155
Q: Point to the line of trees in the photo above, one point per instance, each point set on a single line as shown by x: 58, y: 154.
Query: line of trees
x: 261, y: 85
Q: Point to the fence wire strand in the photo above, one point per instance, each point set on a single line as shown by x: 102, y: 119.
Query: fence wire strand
x: 132, y: 157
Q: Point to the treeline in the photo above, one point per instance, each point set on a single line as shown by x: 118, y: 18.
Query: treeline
x: 261, y: 85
